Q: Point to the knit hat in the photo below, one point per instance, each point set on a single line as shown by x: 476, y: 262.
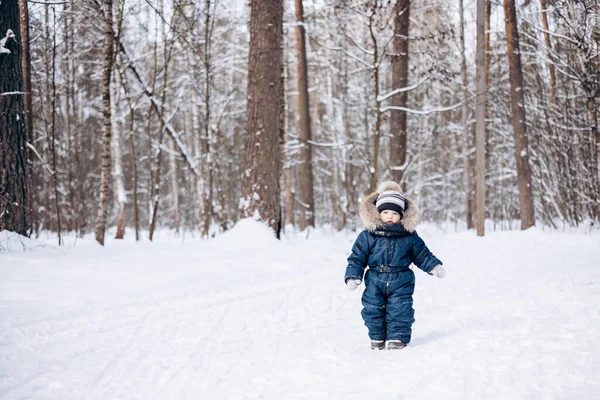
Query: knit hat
x: 390, y: 200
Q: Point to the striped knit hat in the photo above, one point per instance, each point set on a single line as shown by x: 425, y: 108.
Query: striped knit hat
x: 390, y: 200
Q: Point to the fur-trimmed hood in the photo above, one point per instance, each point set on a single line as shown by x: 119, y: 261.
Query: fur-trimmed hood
x: 370, y: 216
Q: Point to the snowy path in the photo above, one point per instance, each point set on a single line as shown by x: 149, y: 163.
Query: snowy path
x: 247, y: 317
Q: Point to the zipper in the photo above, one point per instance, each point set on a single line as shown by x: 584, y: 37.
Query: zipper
x: 387, y: 283
x: 389, y: 251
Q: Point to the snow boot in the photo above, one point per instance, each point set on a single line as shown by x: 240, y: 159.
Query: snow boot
x: 396, y: 345
x: 377, y: 344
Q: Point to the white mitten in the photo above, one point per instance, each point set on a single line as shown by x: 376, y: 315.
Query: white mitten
x: 352, y: 284
x: 439, y: 271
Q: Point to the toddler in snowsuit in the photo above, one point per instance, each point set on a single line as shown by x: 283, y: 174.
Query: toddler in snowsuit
x: 388, y: 246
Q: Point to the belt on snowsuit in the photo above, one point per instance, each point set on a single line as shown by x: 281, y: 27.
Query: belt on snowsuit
x: 390, y: 269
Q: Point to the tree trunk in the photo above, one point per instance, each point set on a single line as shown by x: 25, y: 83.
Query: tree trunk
x: 106, y: 122
x: 261, y: 176
x: 207, y: 126
x: 14, y: 205
x: 161, y: 129
x: 52, y: 134
x: 288, y: 193
x: 306, y: 218
x: 592, y: 109
x: 480, y: 122
x: 174, y: 188
x: 134, y: 179
x: 119, y: 188
x: 488, y: 48
x: 399, y: 80
x: 27, y: 103
x: 551, y: 70
x: 466, y: 148
x: 350, y: 184
x: 377, y: 134
x: 518, y: 117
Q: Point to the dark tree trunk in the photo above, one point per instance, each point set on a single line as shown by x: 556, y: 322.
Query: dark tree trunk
x: 26, y: 70
x: 518, y: 117
x: 14, y: 212
x: 399, y: 80
x: 261, y: 196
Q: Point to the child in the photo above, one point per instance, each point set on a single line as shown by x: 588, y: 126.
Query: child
x: 388, y: 245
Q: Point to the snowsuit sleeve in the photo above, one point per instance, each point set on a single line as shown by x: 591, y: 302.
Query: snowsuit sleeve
x: 357, y: 261
x: 422, y: 256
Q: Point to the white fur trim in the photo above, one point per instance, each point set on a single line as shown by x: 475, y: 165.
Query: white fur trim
x: 370, y: 217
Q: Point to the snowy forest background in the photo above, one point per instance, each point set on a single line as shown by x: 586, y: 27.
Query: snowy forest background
x: 178, y: 88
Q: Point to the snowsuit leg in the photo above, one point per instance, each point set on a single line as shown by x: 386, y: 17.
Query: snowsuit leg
x: 373, y: 301
x: 400, y: 315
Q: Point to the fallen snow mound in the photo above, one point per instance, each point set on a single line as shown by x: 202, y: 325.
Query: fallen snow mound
x: 12, y: 242
x: 248, y: 234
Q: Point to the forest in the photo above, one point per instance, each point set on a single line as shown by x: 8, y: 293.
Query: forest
x: 190, y: 115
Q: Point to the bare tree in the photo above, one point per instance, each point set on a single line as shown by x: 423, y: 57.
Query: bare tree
x: 480, y: 122
x: 550, y: 63
x: 467, y: 173
x: 305, y: 196
x: 261, y: 195
x: 399, y: 80
x: 13, y: 134
x: 105, y: 177
x: 27, y: 95
x: 519, y: 120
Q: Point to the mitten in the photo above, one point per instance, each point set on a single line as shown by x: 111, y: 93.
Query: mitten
x: 439, y: 271
x: 352, y: 284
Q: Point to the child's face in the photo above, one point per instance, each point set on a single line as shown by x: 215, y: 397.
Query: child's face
x: 389, y: 216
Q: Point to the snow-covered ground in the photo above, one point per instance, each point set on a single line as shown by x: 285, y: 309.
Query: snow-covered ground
x: 245, y: 316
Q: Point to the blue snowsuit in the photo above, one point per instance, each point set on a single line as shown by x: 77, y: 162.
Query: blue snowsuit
x: 389, y: 251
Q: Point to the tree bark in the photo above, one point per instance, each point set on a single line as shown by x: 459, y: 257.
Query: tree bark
x: 106, y: 122
x: 551, y: 70
x: 488, y: 48
x: 592, y: 110
x: 399, y: 80
x: 27, y: 103
x: 119, y: 188
x: 306, y: 218
x: 14, y: 204
x: 518, y: 117
x: 52, y: 136
x: 134, y: 178
x: 261, y: 195
x: 466, y: 148
x: 374, y: 175
x: 480, y: 122
x: 285, y: 128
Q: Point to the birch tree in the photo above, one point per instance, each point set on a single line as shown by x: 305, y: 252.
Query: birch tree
x: 105, y: 178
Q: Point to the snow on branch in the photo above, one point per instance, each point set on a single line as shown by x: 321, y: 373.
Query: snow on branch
x: 49, y: 3
x: 44, y: 163
x: 158, y: 108
x: 384, y: 97
x: 422, y: 112
x: 9, y: 34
